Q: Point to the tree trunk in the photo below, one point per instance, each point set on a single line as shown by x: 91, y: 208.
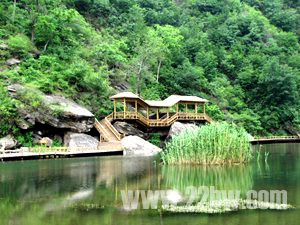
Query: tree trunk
x: 46, y: 45
x: 14, y: 11
x: 139, y: 77
x: 158, y: 70
x: 32, y: 29
x: 32, y: 34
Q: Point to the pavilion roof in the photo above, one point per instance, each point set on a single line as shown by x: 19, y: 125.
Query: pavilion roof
x: 125, y: 95
x: 168, y: 102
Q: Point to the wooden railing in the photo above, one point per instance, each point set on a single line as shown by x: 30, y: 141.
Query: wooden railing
x: 110, y: 117
x: 163, y: 121
x: 102, y: 130
x: 109, y: 133
x: 276, y: 137
x: 112, y: 128
x: 42, y: 151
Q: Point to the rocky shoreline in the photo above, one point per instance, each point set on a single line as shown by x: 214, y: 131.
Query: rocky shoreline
x: 57, y: 120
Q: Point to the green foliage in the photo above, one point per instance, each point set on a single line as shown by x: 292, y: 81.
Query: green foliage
x: 7, y: 111
x: 19, y: 44
x: 24, y: 139
x: 217, y: 143
x: 56, y: 143
x: 242, y: 55
x: 154, y: 138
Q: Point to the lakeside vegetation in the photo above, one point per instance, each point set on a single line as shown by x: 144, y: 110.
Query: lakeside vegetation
x: 216, y: 143
x: 241, y: 55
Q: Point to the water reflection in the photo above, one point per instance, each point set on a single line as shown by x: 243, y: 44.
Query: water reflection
x: 236, y: 177
x: 61, y: 191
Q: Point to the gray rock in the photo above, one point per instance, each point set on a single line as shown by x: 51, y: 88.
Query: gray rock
x: 54, y: 110
x: 127, y: 129
x: 3, y: 46
x: 58, y: 138
x: 45, y: 141
x: 24, y: 124
x: 8, y: 142
x: 13, y: 61
x: 178, y: 127
x: 73, y: 140
x: 36, y: 139
x: 136, y: 146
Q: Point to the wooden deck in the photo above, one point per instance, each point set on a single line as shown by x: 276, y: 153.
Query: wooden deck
x: 108, y: 132
x: 162, y: 122
x: 58, y: 152
x: 275, y: 139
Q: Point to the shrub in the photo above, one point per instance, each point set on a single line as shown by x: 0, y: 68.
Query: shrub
x: 7, y: 111
x: 155, y: 139
x: 19, y: 44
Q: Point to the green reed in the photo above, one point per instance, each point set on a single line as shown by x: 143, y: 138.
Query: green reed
x: 217, y: 143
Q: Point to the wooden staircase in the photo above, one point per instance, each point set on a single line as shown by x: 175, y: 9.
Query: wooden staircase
x: 107, y: 130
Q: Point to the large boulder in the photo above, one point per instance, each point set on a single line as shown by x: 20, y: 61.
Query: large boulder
x: 3, y: 46
x: 53, y: 110
x: 8, y: 142
x: 12, y: 61
x: 127, y: 129
x: 73, y: 140
x: 136, y: 146
x: 45, y: 141
x: 178, y: 127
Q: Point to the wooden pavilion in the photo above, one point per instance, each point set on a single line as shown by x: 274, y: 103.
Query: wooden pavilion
x: 158, y: 113
x: 149, y: 113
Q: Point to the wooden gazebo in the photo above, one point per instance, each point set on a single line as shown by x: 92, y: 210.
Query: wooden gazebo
x: 149, y: 113
x: 158, y: 113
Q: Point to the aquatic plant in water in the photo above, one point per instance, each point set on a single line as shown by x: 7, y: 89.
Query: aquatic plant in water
x: 223, y: 206
x: 217, y: 143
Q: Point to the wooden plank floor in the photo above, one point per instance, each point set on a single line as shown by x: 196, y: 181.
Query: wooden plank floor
x: 58, y: 154
x: 275, y: 139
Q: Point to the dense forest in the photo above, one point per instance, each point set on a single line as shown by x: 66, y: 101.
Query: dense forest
x: 242, y: 55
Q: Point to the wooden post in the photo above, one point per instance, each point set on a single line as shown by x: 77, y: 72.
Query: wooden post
x: 147, y: 112
x: 157, y: 115
x: 136, y: 107
x: 124, y: 107
x: 204, y: 108
x: 196, y: 108
x: 115, y: 108
x: 176, y: 107
x: 168, y: 109
x: 186, y: 107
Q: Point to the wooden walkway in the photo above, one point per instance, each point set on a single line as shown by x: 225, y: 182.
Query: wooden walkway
x: 108, y: 132
x: 275, y: 139
x: 165, y: 121
x: 58, y: 152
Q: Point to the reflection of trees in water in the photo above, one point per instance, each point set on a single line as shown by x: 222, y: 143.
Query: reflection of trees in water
x: 39, y: 179
x: 239, y: 177
x: 128, y: 169
x: 282, y: 170
x: 42, y: 179
x: 30, y: 187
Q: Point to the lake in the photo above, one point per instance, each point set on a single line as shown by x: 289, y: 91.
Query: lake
x: 88, y: 190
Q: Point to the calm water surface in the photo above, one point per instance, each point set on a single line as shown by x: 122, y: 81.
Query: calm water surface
x: 87, y: 190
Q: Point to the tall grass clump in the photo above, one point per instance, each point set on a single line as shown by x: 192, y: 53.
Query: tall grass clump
x: 217, y: 143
